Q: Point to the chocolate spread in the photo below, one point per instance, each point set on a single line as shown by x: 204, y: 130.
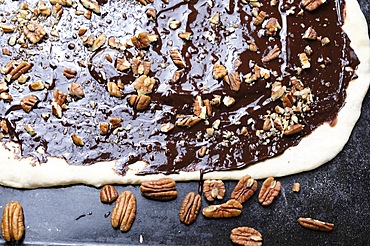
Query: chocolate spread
x: 227, y: 43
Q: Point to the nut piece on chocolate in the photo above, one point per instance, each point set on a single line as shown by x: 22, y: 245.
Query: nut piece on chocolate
x: 310, y: 34
x: 114, y: 90
x: 231, y: 208
x: 188, y: 121
x: 91, y: 5
x: 34, y: 32
x: 145, y: 2
x: 108, y: 194
x: 77, y: 140
x: 233, y: 79
x: 177, y: 59
x: 122, y: 64
x: 293, y: 129
x: 244, y: 189
x: 219, y: 71
x: 28, y: 102
x: 12, y: 224
x: 296, y: 187
x: 259, y: 18
x: 163, y: 189
x: 316, y: 225
x: 143, y: 40
x: 213, y: 189
x: 15, y: 70
x: 124, y: 211
x: 272, y: 55
x: 246, y: 236
x: 144, y: 84
x: 104, y: 128
x: 311, y: 5
x: 272, y: 26
x: 76, y: 90
x: 190, y: 208
x: 269, y: 190
x: 67, y: 3
x: 139, y: 102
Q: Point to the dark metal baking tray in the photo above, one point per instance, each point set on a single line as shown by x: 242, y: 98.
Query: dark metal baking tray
x: 337, y: 192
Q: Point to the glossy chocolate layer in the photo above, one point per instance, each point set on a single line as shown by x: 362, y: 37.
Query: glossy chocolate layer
x: 141, y: 138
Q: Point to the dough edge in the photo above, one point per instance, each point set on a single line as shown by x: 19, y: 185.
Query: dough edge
x: 307, y: 155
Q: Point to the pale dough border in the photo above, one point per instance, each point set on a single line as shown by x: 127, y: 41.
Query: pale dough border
x: 316, y: 149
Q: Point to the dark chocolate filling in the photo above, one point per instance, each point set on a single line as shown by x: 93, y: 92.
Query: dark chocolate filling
x: 142, y: 139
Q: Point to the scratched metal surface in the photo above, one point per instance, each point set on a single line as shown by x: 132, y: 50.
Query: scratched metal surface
x: 336, y: 192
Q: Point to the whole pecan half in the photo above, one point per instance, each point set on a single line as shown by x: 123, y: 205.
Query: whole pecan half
x: 124, y: 211
x: 231, y: 208
x: 269, y: 190
x: 246, y: 236
x: 316, y: 225
x: 213, y: 189
x: 108, y: 194
x: 190, y: 208
x: 12, y: 225
x: 244, y: 189
x: 163, y: 189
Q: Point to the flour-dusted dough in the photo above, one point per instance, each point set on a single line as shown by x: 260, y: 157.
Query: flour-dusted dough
x: 314, y: 150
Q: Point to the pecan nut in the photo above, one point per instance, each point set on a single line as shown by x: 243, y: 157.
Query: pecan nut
x: 272, y: 55
x: 91, y: 5
x: 28, y: 102
x: 124, y: 211
x: 190, y: 208
x: 76, y: 90
x: 246, y: 236
x: 34, y: 32
x: 293, y: 129
x: 219, y: 71
x: 311, y: 5
x: 231, y: 208
x: 269, y: 190
x: 213, y: 189
x: 163, y: 189
x: 139, y: 102
x: 108, y: 194
x: 20, y: 69
x: 12, y: 224
x: 316, y: 225
x: 144, y: 84
x: 177, y: 59
x: 244, y: 189
x: 188, y: 121
x: 233, y: 79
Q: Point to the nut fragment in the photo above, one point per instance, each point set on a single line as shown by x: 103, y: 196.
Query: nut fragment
x: 188, y: 121
x: 91, y: 5
x: 269, y: 190
x: 233, y: 79
x: 122, y: 64
x: 108, y: 194
x: 15, y: 69
x: 69, y: 73
x: 163, y: 189
x: 272, y: 55
x: 213, y: 189
x: 37, y: 86
x: 215, y: 19
x: 231, y: 208
x: 124, y: 211
x: 219, y: 71
x: 244, y: 189
x: 145, y: 2
x: 3, y: 87
x: 28, y: 102
x: 272, y: 25
x: 34, y: 32
x: 104, y: 128
x: 167, y: 127
x: 113, y: 89
x: 59, y: 97
x: 185, y: 35
x: 12, y: 224
x: 311, y: 5
x: 277, y: 91
x: 143, y: 40
x: 228, y: 101
x: 151, y: 13
x: 174, y: 24
x: 144, y: 84
x: 296, y: 187
x: 139, y: 102
x: 67, y: 3
x: 316, y: 225
x: 293, y: 129
x: 98, y: 42
x: 7, y: 28
x: 310, y: 33
x: 246, y: 236
x: 304, y: 60
x: 76, y: 90
x: 177, y: 59
x: 259, y: 18
x: 190, y: 208
x: 77, y: 140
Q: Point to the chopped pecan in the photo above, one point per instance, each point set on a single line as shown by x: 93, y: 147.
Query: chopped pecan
x: 277, y: 91
x: 298, y: 85
x: 176, y: 76
x: 37, y: 86
x: 244, y: 189
x: 167, y: 127
x: 233, y: 79
x: 124, y: 211
x: 325, y: 41
x: 76, y: 90
x: 304, y: 61
x: 16, y: 70
x: 272, y: 55
x: 122, y: 64
x: 316, y: 225
x: 143, y: 40
x: 151, y: 13
x: 77, y: 140
x: 288, y: 100
x: 144, y: 84
x: 177, y: 59
x: 163, y: 189
x: 12, y: 224
x: 185, y: 35
x: 29, y: 129
x: 59, y: 97
x: 114, y: 90
x: 228, y: 101
x: 311, y: 5
x: 57, y: 11
x: 202, y: 151
x: 3, y: 87
x: 310, y: 33
x: 219, y: 71
x: 140, y: 67
x: 28, y: 102
x: 188, y: 121
x: 104, y: 128
x: 190, y: 208
x: 296, y: 187
x: 115, y: 44
x: 67, y: 3
x: 174, y: 24
x: 259, y: 18
x: 6, y: 96
x: 91, y: 5
x: 98, y: 42
x: 269, y: 190
x: 231, y: 208
x: 56, y: 109
x: 34, y: 32
x: 43, y: 9
x: 108, y: 194
x: 198, y: 107
x: 246, y: 236
x: 7, y: 28
x: 116, y: 122
x: 293, y: 129
x: 215, y: 19
x: 4, y: 126
x: 208, y: 106
x: 139, y: 102
x: 145, y: 2
x: 6, y: 51
x: 272, y: 26
x: 69, y: 73
x: 213, y: 189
